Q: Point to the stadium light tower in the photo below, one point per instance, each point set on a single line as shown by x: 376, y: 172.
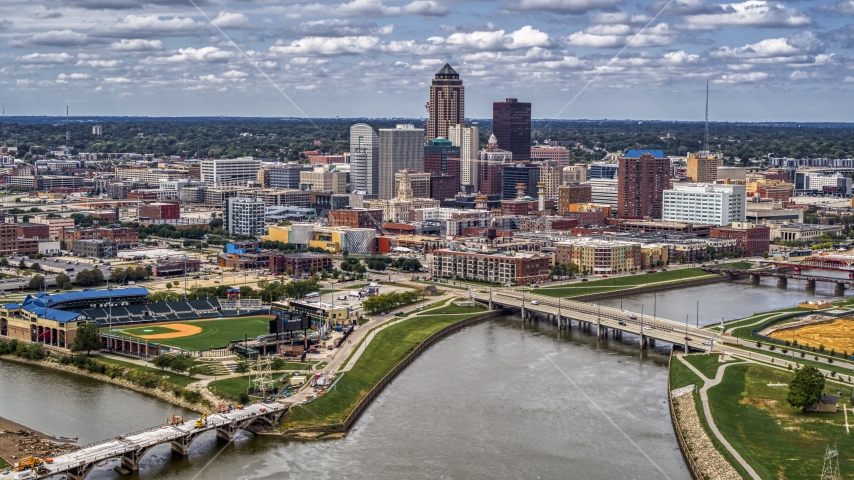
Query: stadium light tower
x: 110, y: 316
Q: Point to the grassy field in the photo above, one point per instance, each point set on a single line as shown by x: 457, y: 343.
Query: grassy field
x: 229, y: 388
x: 706, y: 364
x: 4, y: 464
x: 474, y: 309
x: 172, y: 377
x: 214, y: 332
x: 777, y: 440
x: 387, y: 350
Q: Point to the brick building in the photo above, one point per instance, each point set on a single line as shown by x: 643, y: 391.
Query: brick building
x: 124, y: 237
x: 160, y: 211
x: 356, y: 218
x: 643, y: 176
x: 33, y: 230
x: 299, y: 262
x: 443, y: 187
x: 753, y: 239
x: 570, y: 194
x: 522, y: 268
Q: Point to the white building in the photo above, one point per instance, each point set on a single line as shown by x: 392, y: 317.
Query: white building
x: 603, y: 191
x: 468, y: 139
x: 401, y: 148
x: 243, y: 216
x: 364, y: 159
x: 324, y: 181
x: 820, y: 182
x: 705, y: 203
x: 230, y: 172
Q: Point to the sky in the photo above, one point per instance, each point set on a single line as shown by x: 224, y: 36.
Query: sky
x: 572, y: 59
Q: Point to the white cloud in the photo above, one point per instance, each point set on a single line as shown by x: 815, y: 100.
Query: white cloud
x: 65, y: 77
x: 681, y: 57
x: 617, y: 17
x: 99, y: 63
x: 614, y: 36
x: 235, y: 74
x: 752, y: 13
x: 845, y: 7
x: 525, y: 37
x: 117, y: 80
x: 328, y: 46
x: 136, y: 45
x: 195, y: 55
x: 59, y: 38
x: 801, y: 46
x: 742, y: 77
x: 372, y: 8
x: 232, y: 21
x: 566, y: 6
x: 44, y: 58
x: 151, y: 25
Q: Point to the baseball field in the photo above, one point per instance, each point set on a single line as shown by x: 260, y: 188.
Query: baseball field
x: 198, y: 334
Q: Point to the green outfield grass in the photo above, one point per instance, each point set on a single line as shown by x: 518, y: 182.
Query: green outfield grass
x: 216, y: 333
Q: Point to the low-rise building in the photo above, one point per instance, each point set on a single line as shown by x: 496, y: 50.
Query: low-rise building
x: 333, y: 239
x: 160, y: 211
x: 299, y: 263
x: 498, y: 267
x: 754, y: 240
x: 789, y: 232
x: 572, y: 194
x: 599, y: 256
x: 761, y: 211
x: 356, y: 218
x: 94, y: 248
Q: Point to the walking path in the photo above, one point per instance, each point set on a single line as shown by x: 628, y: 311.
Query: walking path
x: 704, y: 397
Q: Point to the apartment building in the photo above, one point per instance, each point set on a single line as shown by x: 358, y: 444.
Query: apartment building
x: 243, y: 216
x: 600, y: 256
x: 705, y: 203
x: 230, y: 172
x: 519, y: 268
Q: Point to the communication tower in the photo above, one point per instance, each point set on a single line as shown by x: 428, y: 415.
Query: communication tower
x: 263, y: 377
x: 830, y: 470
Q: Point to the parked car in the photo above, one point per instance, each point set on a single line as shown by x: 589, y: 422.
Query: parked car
x: 398, y: 314
x: 583, y: 279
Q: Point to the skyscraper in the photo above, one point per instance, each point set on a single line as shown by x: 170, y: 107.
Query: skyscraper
x: 468, y: 139
x: 364, y: 160
x: 447, y: 102
x: 643, y: 176
x: 400, y: 148
x: 511, y: 125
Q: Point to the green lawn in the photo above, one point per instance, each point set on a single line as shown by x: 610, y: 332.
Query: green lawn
x: 216, y: 333
x: 146, y: 330
x: 474, y: 309
x: 174, y: 378
x: 4, y: 464
x: 229, y: 388
x: 620, y: 283
x: 777, y: 440
x: 390, y: 346
x: 682, y: 376
x: 706, y: 364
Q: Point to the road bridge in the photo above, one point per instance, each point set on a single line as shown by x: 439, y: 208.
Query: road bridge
x: 132, y: 447
x: 618, y: 321
x: 783, y: 277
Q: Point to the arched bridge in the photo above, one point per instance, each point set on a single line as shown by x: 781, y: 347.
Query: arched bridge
x: 132, y: 447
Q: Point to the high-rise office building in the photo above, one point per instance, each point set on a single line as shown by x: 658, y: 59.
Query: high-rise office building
x: 643, y: 176
x: 447, y: 103
x: 468, y: 139
x: 230, y: 172
x: 400, y: 148
x: 442, y: 157
x: 489, y: 167
x: 364, y: 160
x: 552, y: 176
x: 511, y: 125
x: 243, y: 216
x: 513, y: 174
x: 285, y: 176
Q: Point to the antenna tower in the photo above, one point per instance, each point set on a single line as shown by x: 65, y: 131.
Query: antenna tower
x: 67, y: 134
x: 263, y: 377
x: 830, y: 470
x: 706, y: 129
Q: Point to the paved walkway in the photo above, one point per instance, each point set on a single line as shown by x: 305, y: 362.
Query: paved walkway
x: 704, y: 397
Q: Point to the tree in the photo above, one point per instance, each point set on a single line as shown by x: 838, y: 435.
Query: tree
x: 22, y: 265
x: 3, y: 262
x: 63, y: 281
x: 806, y: 388
x: 36, y: 282
x: 165, y: 297
x: 169, y: 285
x: 88, y: 338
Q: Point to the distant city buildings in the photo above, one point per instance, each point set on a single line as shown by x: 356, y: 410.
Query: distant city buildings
x: 468, y: 140
x: 702, y: 169
x: 364, y: 160
x: 228, y: 172
x: 243, y: 216
x: 447, y: 104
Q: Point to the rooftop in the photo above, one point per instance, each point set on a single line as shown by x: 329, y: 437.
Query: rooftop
x: 638, y: 153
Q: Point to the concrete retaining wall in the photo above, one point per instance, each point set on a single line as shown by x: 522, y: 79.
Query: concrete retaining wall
x: 689, y: 459
x: 654, y: 288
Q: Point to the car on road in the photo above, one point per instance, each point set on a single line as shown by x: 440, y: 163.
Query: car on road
x: 398, y: 314
x: 583, y: 279
x: 534, y: 302
x: 341, y: 297
x: 621, y: 322
x: 688, y: 339
x: 633, y: 316
x: 534, y: 285
x: 604, y: 276
x: 647, y: 327
x: 708, y: 344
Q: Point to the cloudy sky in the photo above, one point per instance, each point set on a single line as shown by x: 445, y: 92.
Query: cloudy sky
x: 765, y: 60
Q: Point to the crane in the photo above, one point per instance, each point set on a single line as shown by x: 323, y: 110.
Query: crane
x: 202, y: 421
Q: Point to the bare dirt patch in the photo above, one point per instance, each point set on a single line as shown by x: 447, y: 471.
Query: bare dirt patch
x: 181, y: 330
x: 838, y: 335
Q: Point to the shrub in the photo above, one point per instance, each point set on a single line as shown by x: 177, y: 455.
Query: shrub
x: 758, y: 344
x: 191, y: 396
x: 243, y: 398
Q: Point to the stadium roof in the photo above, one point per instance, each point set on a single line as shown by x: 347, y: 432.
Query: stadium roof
x: 53, y: 314
x: 89, y: 295
x: 638, y: 153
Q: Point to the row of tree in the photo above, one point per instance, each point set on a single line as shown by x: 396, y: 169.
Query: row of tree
x: 388, y: 301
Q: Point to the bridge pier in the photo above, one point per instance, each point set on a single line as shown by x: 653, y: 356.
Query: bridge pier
x: 491, y: 305
x: 839, y: 289
x: 810, y: 284
x: 181, y: 445
x: 782, y: 282
x: 130, y: 460
x: 79, y: 472
x: 754, y: 279
x: 651, y: 342
x: 642, y: 341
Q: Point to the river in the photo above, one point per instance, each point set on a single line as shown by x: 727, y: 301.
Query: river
x: 497, y: 400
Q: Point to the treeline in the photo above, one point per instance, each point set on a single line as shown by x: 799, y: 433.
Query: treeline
x: 272, y: 138
x: 388, y: 301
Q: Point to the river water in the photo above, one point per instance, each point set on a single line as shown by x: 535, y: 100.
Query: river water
x: 500, y: 399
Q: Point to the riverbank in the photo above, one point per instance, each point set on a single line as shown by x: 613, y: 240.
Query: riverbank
x: 18, y: 441
x: 167, y: 395
x: 391, y: 351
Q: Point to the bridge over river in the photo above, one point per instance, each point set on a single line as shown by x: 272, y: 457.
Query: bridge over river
x: 606, y: 319
x: 132, y: 447
x: 784, y: 275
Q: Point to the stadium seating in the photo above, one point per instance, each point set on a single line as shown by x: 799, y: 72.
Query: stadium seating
x: 137, y: 310
x: 180, y: 307
x: 159, y: 308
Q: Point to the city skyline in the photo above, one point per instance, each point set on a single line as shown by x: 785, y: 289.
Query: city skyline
x: 375, y: 58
